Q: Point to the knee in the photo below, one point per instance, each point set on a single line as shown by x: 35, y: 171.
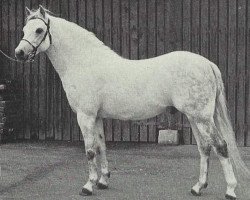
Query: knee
x: 222, y: 149
x: 98, y: 150
x: 206, y: 150
x: 90, y: 154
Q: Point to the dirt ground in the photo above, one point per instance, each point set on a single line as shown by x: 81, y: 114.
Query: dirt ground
x: 53, y: 170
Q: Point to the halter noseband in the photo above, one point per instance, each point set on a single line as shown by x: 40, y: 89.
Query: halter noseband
x: 33, y: 53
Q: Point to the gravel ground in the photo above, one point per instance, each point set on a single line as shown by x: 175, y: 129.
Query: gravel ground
x: 58, y: 170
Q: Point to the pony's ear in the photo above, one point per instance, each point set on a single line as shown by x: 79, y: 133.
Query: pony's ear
x: 27, y: 11
x: 42, y: 10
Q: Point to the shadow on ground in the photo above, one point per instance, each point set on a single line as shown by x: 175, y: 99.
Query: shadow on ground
x: 53, y: 170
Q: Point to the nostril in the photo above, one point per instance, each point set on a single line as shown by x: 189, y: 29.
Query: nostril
x: 21, y: 53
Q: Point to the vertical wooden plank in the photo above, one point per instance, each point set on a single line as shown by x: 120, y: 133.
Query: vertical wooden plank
x: 99, y: 33
x: 213, y: 26
x: 108, y: 41
x: 1, y: 43
x: 124, y: 37
x: 12, y: 41
x: 169, y: 31
x: 116, y: 46
x: 90, y: 25
x: 99, y: 19
x: 50, y: 93
x: 222, y: 41
x: 232, y: 46
x: 82, y: 23
x: 1, y: 17
x: 42, y: 92
x: 5, y: 37
x: 133, y: 22
x: 204, y: 14
x: 174, y: 21
x: 34, y: 99
x: 54, y: 6
x: 82, y: 13
x: 27, y: 92
x: 247, y: 111
x: 19, y: 71
x: 169, y: 46
x: 142, y: 40
x: 74, y: 124
x: 195, y: 28
x: 160, y: 32
x: 151, y: 49
x: 186, y: 27
x: 160, y: 42
x: 107, y: 22
x: 65, y: 105
x: 241, y: 70
x: 42, y: 97
x: 204, y: 29
x: 12, y: 36
x: 116, y: 23
x: 186, y: 37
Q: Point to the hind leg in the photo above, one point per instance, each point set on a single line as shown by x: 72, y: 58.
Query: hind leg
x: 221, y: 150
x: 209, y: 130
x: 204, y: 148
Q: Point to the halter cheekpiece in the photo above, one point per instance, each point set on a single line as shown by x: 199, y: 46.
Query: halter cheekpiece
x: 33, y: 53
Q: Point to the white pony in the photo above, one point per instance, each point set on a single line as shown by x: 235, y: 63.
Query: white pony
x: 101, y: 84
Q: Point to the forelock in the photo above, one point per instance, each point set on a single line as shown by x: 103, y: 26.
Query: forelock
x: 35, y: 14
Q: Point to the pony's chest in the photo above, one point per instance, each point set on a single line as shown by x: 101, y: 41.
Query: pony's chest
x: 72, y: 93
x: 79, y: 93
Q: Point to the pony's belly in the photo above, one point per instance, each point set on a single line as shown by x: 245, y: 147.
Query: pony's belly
x: 134, y: 103
x: 131, y: 110
x: 128, y: 114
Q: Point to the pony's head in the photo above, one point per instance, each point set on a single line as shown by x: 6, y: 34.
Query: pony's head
x: 37, y: 37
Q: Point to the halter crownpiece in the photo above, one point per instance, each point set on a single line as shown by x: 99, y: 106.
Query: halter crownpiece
x: 33, y: 53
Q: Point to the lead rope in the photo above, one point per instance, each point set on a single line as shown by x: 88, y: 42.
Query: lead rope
x: 10, y: 58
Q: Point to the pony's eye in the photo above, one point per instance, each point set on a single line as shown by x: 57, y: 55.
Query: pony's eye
x: 39, y: 30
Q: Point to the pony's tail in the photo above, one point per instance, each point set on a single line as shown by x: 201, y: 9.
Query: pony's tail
x: 224, y: 126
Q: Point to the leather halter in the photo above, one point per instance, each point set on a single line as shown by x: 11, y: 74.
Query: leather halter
x: 33, y: 53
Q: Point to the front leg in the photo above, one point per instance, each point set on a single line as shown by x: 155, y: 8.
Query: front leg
x: 101, y: 148
x: 86, y: 123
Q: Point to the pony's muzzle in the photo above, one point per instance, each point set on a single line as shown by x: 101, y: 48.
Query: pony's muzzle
x: 20, y: 54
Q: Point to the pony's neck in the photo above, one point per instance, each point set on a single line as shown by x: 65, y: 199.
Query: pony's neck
x: 70, y: 42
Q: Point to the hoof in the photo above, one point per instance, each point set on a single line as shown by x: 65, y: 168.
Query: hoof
x: 195, y: 193
x: 85, y: 192
x: 229, y: 197
x: 101, y: 186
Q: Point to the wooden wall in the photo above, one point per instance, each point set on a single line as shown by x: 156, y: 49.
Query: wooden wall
x: 136, y: 29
